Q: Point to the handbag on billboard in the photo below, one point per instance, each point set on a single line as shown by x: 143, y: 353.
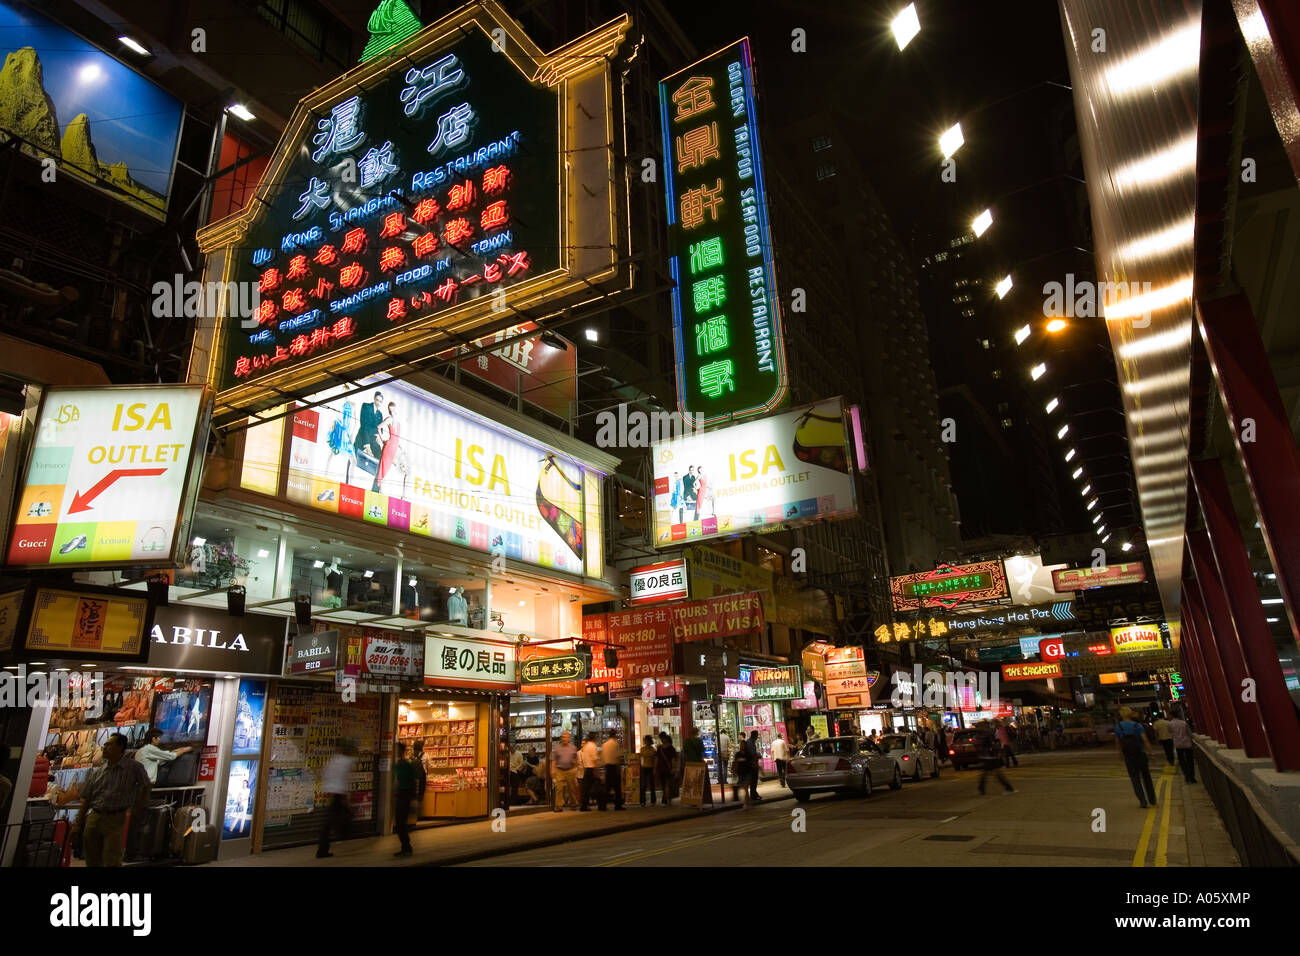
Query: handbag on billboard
x: 819, y: 440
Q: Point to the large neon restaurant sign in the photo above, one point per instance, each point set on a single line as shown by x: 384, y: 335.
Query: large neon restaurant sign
x: 726, y: 317
x: 430, y: 191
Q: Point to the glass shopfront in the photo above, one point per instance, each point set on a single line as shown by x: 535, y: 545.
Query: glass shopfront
x: 451, y: 739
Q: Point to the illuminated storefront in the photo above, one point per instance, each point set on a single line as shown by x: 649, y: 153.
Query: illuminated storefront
x: 758, y: 701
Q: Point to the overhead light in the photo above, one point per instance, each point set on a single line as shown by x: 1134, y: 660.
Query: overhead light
x: 1170, y: 162
x: 1077, y: 472
x: 522, y: 603
x: 240, y: 111
x: 1062, y: 430
x: 133, y: 45
x: 1038, y: 371
x: 1105, y: 539
x: 1092, y: 504
x: 980, y: 224
x: 1271, y: 577
x: 1273, y: 620
x: 318, y: 564
x: 1096, y: 519
x: 90, y: 73
x: 1003, y: 286
x: 554, y: 341
x: 451, y: 590
x: 1160, y: 242
x: 951, y: 140
x: 1086, y: 489
x: 1175, y: 338
x: 1175, y: 53
x: 1022, y: 333
x: 1056, y: 324
x: 1069, y: 454
x: 1271, y: 601
x: 199, y: 542
x: 906, y: 25
x: 369, y: 573
x: 1162, y: 298
x: 263, y: 553
x: 1051, y: 406
x: 410, y: 582
x: 592, y: 335
x: 1126, y: 546
x: 1100, y: 530
x: 38, y: 663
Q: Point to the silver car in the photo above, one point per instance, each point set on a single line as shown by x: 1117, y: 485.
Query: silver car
x: 841, y: 763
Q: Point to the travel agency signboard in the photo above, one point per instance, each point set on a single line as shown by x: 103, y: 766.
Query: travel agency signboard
x: 726, y: 314
x: 788, y: 468
x: 448, y: 185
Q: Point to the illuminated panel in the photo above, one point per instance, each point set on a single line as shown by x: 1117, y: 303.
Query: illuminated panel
x: 727, y: 321
x: 948, y: 585
x: 591, y: 496
x: 260, y: 470
x: 431, y: 188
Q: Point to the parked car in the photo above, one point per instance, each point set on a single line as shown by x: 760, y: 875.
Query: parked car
x: 841, y: 763
x: 968, y: 747
x: 913, y: 758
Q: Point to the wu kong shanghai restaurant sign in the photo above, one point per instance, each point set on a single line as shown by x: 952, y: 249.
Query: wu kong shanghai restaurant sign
x: 446, y: 184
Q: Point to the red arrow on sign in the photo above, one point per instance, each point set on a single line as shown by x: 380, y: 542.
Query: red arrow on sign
x: 81, y: 500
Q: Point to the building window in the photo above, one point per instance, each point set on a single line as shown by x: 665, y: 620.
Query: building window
x: 1006, y: 423
x: 825, y: 172
x: 820, y: 143
x: 311, y: 27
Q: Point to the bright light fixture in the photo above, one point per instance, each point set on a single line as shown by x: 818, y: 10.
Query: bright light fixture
x: 1100, y: 530
x: 318, y: 563
x: 951, y: 140
x: 263, y: 553
x: 1056, y: 325
x: 906, y: 25
x: 90, y: 73
x: 1022, y: 334
x: 1105, y: 539
x: 1161, y: 298
x: 241, y: 112
x: 1272, y: 601
x: 1126, y: 546
x: 1171, y: 162
x: 1038, y: 371
x: 1272, y: 620
x: 1069, y: 454
x: 1096, y: 519
x: 133, y: 45
x: 1092, y: 504
x: 1051, y: 406
x: 592, y: 335
x: 1061, y: 432
x: 1174, y: 54
x: 1077, y: 472
x: 410, y: 582
x: 522, y: 603
x: 981, y: 223
x: 1160, y: 242
x: 369, y: 574
x: 1086, y: 489
x: 200, y: 542
x: 1003, y: 286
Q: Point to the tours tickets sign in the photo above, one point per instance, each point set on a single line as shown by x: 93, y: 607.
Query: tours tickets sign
x: 455, y: 181
x: 726, y: 316
x: 109, y: 481
x: 401, y: 458
x: 788, y: 468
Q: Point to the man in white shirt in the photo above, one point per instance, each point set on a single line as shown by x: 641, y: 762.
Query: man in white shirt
x: 336, y: 780
x: 611, y: 758
x: 589, y: 761
x: 151, y: 755
x: 778, y: 754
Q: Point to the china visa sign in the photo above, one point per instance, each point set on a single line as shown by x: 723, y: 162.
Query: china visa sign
x: 727, y: 321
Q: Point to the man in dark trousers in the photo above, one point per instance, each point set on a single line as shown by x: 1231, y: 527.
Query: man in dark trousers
x: 336, y: 782
x: 1131, y: 739
x: 405, y: 787
x: 752, y: 753
x: 611, y: 759
x: 119, y: 786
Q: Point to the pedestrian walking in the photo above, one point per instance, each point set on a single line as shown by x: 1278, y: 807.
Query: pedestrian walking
x: 991, y: 762
x: 740, y: 767
x: 405, y: 786
x: 120, y: 785
x: 421, y: 775
x: 693, y: 747
x: 1130, y: 738
x: 752, y: 755
x: 943, y: 743
x: 1005, y: 748
x: 336, y: 783
x: 1181, y: 736
x: 1165, y: 738
x: 779, y: 755
x: 589, y: 786
x: 724, y: 757
x: 665, y: 758
x: 564, y: 769
x: 648, y: 769
x: 611, y: 758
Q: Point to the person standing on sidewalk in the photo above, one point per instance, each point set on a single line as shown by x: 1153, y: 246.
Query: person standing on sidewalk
x: 405, y: 787
x: 778, y: 754
x: 752, y: 755
x: 647, y: 756
x: 1130, y: 738
x: 611, y: 757
x: 664, y: 759
x: 724, y: 756
x: 693, y: 747
x: 1181, y: 737
x: 740, y: 789
x: 564, y: 767
x: 120, y: 785
x: 1164, y: 738
x: 336, y: 781
x: 589, y: 758
x: 1008, y: 752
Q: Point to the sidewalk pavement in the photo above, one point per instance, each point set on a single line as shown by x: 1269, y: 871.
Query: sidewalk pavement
x: 527, y: 830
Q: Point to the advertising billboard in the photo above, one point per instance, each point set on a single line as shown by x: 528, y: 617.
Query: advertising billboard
x: 1030, y: 582
x: 454, y: 661
x: 103, y: 123
x: 107, y: 477
x: 1030, y: 671
x: 1136, y: 637
x: 1082, y: 579
x: 949, y: 585
x: 788, y: 468
x: 726, y: 314
x: 401, y: 458
x: 525, y: 366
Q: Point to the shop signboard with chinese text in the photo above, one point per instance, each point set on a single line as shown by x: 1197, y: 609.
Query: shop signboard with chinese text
x: 109, y: 478
x: 726, y: 314
x: 553, y: 669
x: 729, y: 616
x: 642, y: 639
x: 712, y: 572
x: 787, y: 469
x: 949, y: 585
x: 1082, y: 579
x: 454, y: 661
x: 314, y: 652
x: 402, y: 458
x: 664, y: 581
x: 435, y: 189
x: 921, y: 629
x: 86, y: 622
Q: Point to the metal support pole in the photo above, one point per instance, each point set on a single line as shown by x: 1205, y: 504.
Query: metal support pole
x: 1228, y: 549
x: 1209, y: 655
x: 1208, y: 721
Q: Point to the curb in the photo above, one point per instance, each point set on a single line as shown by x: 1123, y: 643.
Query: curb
x: 543, y: 842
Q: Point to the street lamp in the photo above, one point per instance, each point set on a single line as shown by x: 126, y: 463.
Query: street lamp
x: 980, y: 224
x: 1051, y: 406
x: 1062, y: 431
x: 906, y: 25
x: 1022, y: 333
x: 1003, y: 286
x: 1038, y: 371
x: 951, y: 140
x: 1056, y: 325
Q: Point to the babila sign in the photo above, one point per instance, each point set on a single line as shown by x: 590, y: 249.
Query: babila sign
x: 452, y: 182
x: 198, y: 639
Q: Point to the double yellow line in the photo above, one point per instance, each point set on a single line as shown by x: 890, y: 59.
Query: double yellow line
x: 1164, y: 797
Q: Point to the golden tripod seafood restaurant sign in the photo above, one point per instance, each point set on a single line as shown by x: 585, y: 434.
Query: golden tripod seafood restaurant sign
x: 443, y: 186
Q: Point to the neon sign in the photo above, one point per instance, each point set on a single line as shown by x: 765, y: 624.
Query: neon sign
x: 729, y: 345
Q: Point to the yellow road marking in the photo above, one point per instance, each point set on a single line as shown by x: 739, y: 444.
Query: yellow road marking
x: 1162, y: 845
x: 1140, y: 856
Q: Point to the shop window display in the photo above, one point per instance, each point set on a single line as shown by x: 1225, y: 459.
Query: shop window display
x: 450, y: 734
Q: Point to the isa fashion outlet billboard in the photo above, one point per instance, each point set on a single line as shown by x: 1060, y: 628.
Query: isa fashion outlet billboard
x: 396, y: 456
x: 788, y: 468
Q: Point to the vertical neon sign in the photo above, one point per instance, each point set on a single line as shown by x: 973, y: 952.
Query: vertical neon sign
x: 730, y: 348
